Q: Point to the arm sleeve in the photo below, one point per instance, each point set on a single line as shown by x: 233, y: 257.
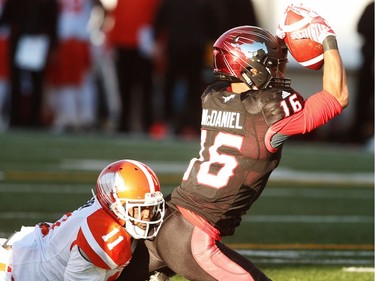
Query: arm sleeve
x: 78, y: 268
x: 105, y: 243
x: 317, y: 111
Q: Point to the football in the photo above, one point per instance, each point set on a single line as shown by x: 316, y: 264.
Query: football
x: 306, y: 52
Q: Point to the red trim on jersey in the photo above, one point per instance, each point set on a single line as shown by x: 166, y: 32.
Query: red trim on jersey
x: 213, y: 261
x: 86, y: 248
x: 114, y: 242
x: 318, y: 110
x: 201, y: 223
x: 73, y: 244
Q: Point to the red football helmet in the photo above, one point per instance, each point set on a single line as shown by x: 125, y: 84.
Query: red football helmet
x: 124, y: 188
x: 251, y: 55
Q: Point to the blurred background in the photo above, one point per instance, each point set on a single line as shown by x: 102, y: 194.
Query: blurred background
x: 139, y: 67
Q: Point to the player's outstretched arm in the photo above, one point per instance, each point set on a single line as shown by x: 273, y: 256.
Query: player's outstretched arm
x: 334, y: 76
x: 318, y: 30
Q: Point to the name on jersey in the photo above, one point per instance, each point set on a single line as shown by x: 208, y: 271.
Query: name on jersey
x: 223, y: 119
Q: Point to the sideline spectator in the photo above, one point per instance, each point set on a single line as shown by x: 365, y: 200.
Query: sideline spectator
x: 183, y: 30
x: 32, y: 37
x: 237, y: 13
x: 4, y: 74
x: 70, y: 75
x: 109, y: 104
x: 362, y: 128
x: 132, y: 42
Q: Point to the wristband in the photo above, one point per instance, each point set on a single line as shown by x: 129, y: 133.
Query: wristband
x: 330, y: 43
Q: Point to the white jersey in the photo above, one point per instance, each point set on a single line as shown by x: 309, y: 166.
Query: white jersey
x: 55, y: 251
x: 74, y: 18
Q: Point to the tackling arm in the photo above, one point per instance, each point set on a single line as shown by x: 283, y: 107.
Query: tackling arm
x: 78, y: 268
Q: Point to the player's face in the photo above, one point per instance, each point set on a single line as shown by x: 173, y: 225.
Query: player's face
x: 278, y: 71
x: 145, y: 213
x: 281, y: 70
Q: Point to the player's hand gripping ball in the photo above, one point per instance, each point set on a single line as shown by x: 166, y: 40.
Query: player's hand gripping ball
x: 303, y: 31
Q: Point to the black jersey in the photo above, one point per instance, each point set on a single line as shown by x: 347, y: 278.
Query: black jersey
x: 234, y: 164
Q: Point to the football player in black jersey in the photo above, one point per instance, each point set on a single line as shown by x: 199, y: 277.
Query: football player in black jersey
x: 246, y: 117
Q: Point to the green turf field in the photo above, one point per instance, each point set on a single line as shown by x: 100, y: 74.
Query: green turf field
x: 314, y: 221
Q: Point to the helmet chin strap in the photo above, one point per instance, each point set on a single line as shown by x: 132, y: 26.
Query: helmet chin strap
x: 225, y: 77
x: 279, y: 82
x: 247, y: 79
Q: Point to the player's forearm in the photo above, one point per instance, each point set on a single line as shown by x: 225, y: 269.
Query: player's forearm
x: 334, y: 77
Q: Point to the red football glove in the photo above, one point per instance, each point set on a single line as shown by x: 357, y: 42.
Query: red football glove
x: 317, y: 30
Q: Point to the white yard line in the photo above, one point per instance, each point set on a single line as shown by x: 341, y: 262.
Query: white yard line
x: 97, y: 165
x: 307, y: 219
x: 178, y: 168
x: 46, y: 188
x: 307, y: 192
x: 283, y: 174
x: 354, y: 260
x: 327, y: 257
x: 280, y: 174
x: 247, y: 218
x: 359, y: 269
x: 278, y: 192
x: 29, y: 215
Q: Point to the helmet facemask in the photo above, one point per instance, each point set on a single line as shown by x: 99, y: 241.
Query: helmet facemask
x: 260, y: 71
x: 139, y: 227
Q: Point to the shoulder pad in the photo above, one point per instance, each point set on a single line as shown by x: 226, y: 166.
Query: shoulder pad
x: 254, y: 101
x: 282, y: 104
x: 275, y: 104
x: 104, y: 241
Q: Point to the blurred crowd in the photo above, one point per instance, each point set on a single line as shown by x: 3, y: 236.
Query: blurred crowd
x: 135, y: 66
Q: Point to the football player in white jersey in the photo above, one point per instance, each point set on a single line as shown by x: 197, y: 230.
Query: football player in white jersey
x: 96, y: 241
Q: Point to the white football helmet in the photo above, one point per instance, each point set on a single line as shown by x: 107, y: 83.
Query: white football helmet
x: 128, y: 188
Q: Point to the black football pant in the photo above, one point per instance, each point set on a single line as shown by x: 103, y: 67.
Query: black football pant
x: 183, y: 248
